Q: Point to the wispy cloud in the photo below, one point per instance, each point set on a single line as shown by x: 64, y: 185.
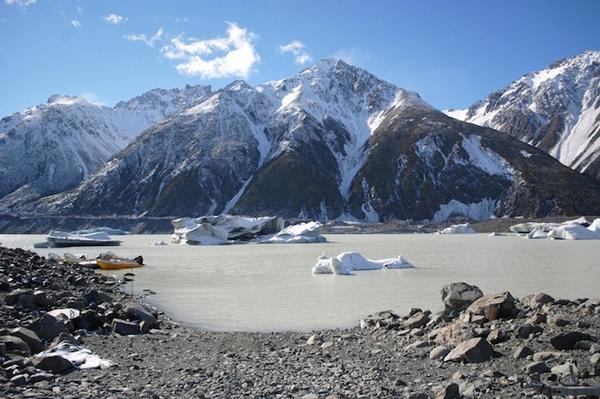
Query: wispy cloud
x: 298, y: 49
x: 231, y: 56
x: 20, y: 3
x: 114, y: 19
x: 353, y: 56
x: 142, y: 38
x: 75, y: 23
x: 92, y: 98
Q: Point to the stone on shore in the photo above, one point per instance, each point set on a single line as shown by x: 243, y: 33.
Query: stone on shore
x: 450, y: 391
x: 31, y: 338
x: 568, y: 340
x: 48, y: 327
x: 458, y: 296
x: 53, y: 363
x: 15, y: 345
x: 20, y: 296
x: 536, y: 367
x: 136, y: 311
x: 124, y: 327
x: 495, y: 306
x: 439, y: 352
x: 474, y: 350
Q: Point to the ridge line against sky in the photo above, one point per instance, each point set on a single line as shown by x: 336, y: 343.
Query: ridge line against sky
x: 451, y: 53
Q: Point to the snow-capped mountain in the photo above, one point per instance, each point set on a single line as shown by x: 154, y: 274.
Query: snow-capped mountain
x: 334, y: 141
x: 54, y: 146
x: 556, y: 109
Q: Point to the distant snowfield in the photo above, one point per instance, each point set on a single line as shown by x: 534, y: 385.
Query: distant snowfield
x: 271, y: 288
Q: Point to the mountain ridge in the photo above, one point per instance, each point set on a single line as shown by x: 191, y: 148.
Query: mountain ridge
x: 332, y: 142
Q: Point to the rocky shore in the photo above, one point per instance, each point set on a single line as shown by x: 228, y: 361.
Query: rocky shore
x: 480, y: 346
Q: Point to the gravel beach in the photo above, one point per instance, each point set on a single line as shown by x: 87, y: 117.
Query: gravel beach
x: 480, y: 346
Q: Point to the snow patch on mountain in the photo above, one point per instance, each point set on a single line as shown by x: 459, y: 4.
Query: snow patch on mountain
x: 485, y: 159
x: 481, y: 210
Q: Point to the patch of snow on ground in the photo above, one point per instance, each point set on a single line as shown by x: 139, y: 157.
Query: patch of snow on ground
x: 82, y: 358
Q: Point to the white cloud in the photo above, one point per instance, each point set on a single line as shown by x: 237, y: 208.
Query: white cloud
x: 20, y: 3
x: 75, y: 23
x: 298, y: 49
x: 142, y: 38
x: 92, y: 98
x: 221, y: 57
x: 352, y: 56
x: 114, y: 19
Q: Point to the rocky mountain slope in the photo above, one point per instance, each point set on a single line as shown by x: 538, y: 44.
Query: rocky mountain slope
x: 54, y: 146
x: 556, y: 109
x: 334, y: 141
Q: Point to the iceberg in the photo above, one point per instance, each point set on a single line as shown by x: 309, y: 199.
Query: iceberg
x: 464, y: 228
x: 573, y: 232
x: 528, y: 227
x: 108, y: 230
x: 347, y: 262
x: 595, y: 226
x: 298, y: 233
x: 536, y: 234
x: 223, y: 229
x: 64, y: 239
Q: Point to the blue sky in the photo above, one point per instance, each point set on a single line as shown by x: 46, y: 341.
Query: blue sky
x: 451, y: 52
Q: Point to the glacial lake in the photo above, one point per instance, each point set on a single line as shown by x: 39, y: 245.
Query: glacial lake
x: 261, y: 287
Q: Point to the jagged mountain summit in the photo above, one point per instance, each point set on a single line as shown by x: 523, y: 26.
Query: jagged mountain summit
x: 556, y: 109
x: 332, y: 142
x: 53, y: 146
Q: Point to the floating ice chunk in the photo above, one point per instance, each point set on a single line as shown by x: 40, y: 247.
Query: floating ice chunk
x: 347, y: 262
x: 299, y: 233
x: 79, y: 356
x: 573, y: 232
x: 526, y: 154
x: 581, y: 221
x: 158, y: 243
x: 464, y: 228
x: 212, y: 230
x: 537, y: 234
x: 595, y: 226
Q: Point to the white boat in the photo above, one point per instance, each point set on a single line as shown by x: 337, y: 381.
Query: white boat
x: 65, y: 239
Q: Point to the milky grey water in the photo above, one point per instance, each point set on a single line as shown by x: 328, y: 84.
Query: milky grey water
x: 270, y: 287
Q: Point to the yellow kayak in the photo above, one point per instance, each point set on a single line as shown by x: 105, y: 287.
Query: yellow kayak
x: 116, y: 264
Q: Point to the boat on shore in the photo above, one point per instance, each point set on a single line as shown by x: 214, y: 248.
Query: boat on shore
x: 116, y: 264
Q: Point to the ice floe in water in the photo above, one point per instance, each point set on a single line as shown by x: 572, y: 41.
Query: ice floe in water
x: 298, y: 233
x: 223, y: 229
x: 348, y: 262
x: 80, y: 357
x: 464, y: 228
x: 576, y: 229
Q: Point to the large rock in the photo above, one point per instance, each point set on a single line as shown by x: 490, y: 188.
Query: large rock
x: 125, y: 327
x: 89, y: 320
x: 54, y: 363
x: 565, y: 341
x: 452, y: 333
x: 48, y: 327
x: 21, y: 296
x: 97, y: 297
x: 450, y: 391
x: 30, y: 337
x: 496, y: 306
x: 537, y: 300
x: 417, y: 320
x: 474, y: 350
x: 135, y: 311
x: 15, y: 345
x: 458, y: 296
x: 536, y: 367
